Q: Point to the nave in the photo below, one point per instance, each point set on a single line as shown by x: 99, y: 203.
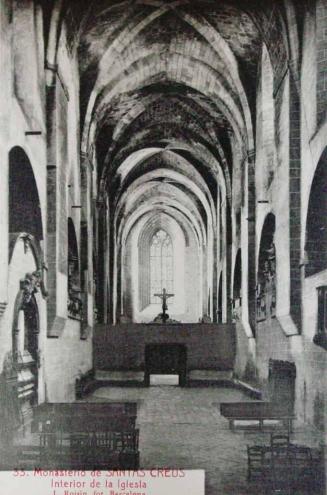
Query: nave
x: 162, y: 209
x: 183, y: 428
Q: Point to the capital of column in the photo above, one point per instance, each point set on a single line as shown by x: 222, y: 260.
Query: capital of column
x: 251, y: 155
x: 248, y: 156
x: 3, y: 305
x: 86, y: 159
x: 101, y: 203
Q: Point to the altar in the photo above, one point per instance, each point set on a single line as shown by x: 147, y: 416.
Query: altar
x: 145, y: 347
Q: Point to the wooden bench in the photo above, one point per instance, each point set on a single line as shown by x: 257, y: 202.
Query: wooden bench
x: 110, y: 408
x: 87, y: 417
x: 284, y: 465
x: 84, y: 435
x: 89, y: 451
x: 293, y: 467
x: 256, y: 411
x: 71, y: 424
x: 259, y: 463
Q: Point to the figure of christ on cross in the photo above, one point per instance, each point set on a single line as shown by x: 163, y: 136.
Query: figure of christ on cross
x: 164, y: 296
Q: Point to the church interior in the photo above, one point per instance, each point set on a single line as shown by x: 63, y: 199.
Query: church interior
x: 163, y: 247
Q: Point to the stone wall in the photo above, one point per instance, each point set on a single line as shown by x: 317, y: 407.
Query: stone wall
x: 299, y: 144
x: 310, y: 362
x: 23, y: 110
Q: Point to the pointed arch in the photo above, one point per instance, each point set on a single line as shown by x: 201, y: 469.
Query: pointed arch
x: 161, y: 264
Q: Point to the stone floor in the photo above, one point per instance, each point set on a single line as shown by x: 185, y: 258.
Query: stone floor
x: 182, y: 428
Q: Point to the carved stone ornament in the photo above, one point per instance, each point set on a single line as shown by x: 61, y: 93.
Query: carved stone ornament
x: 27, y: 240
x: 31, y: 284
x: 3, y: 306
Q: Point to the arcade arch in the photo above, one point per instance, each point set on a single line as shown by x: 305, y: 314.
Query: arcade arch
x: 316, y: 222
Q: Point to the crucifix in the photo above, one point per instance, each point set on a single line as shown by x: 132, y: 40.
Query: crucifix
x: 164, y: 296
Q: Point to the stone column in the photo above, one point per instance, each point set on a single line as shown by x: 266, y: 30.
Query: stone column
x: 251, y: 219
x: 86, y: 243
x: 228, y: 264
x: 223, y: 260
x: 5, y: 101
x: 56, y: 110
x: 101, y: 256
x: 295, y: 201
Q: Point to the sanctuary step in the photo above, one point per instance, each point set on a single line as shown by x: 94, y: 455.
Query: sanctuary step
x: 119, y: 376
x: 134, y: 377
x: 210, y: 375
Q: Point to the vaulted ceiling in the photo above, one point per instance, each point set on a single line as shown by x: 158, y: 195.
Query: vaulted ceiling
x: 167, y: 92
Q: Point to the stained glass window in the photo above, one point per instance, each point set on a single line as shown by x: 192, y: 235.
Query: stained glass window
x: 161, y: 265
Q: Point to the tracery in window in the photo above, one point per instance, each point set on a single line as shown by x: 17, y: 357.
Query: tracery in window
x: 161, y: 265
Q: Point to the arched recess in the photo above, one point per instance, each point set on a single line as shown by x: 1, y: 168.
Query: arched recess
x: 186, y: 305
x: 25, y: 229
x: 74, y: 303
x: 316, y: 224
x: 24, y: 203
x: 168, y: 229
x: 152, y: 212
x: 266, y: 275
x: 237, y: 284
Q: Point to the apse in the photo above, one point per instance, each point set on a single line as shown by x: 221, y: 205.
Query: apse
x: 160, y: 249
x: 164, y: 220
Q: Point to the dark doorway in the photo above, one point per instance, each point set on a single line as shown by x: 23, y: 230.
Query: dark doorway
x: 165, y: 359
x: 281, y: 383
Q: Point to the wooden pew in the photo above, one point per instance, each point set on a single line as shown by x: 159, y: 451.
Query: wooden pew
x: 97, y: 450
x: 91, y: 423
x: 110, y: 408
x: 256, y: 411
x: 89, y: 451
x: 259, y: 463
x: 285, y: 466
x: 85, y: 435
x: 69, y: 417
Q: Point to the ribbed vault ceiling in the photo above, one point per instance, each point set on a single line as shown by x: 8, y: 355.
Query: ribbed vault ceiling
x: 168, y: 95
